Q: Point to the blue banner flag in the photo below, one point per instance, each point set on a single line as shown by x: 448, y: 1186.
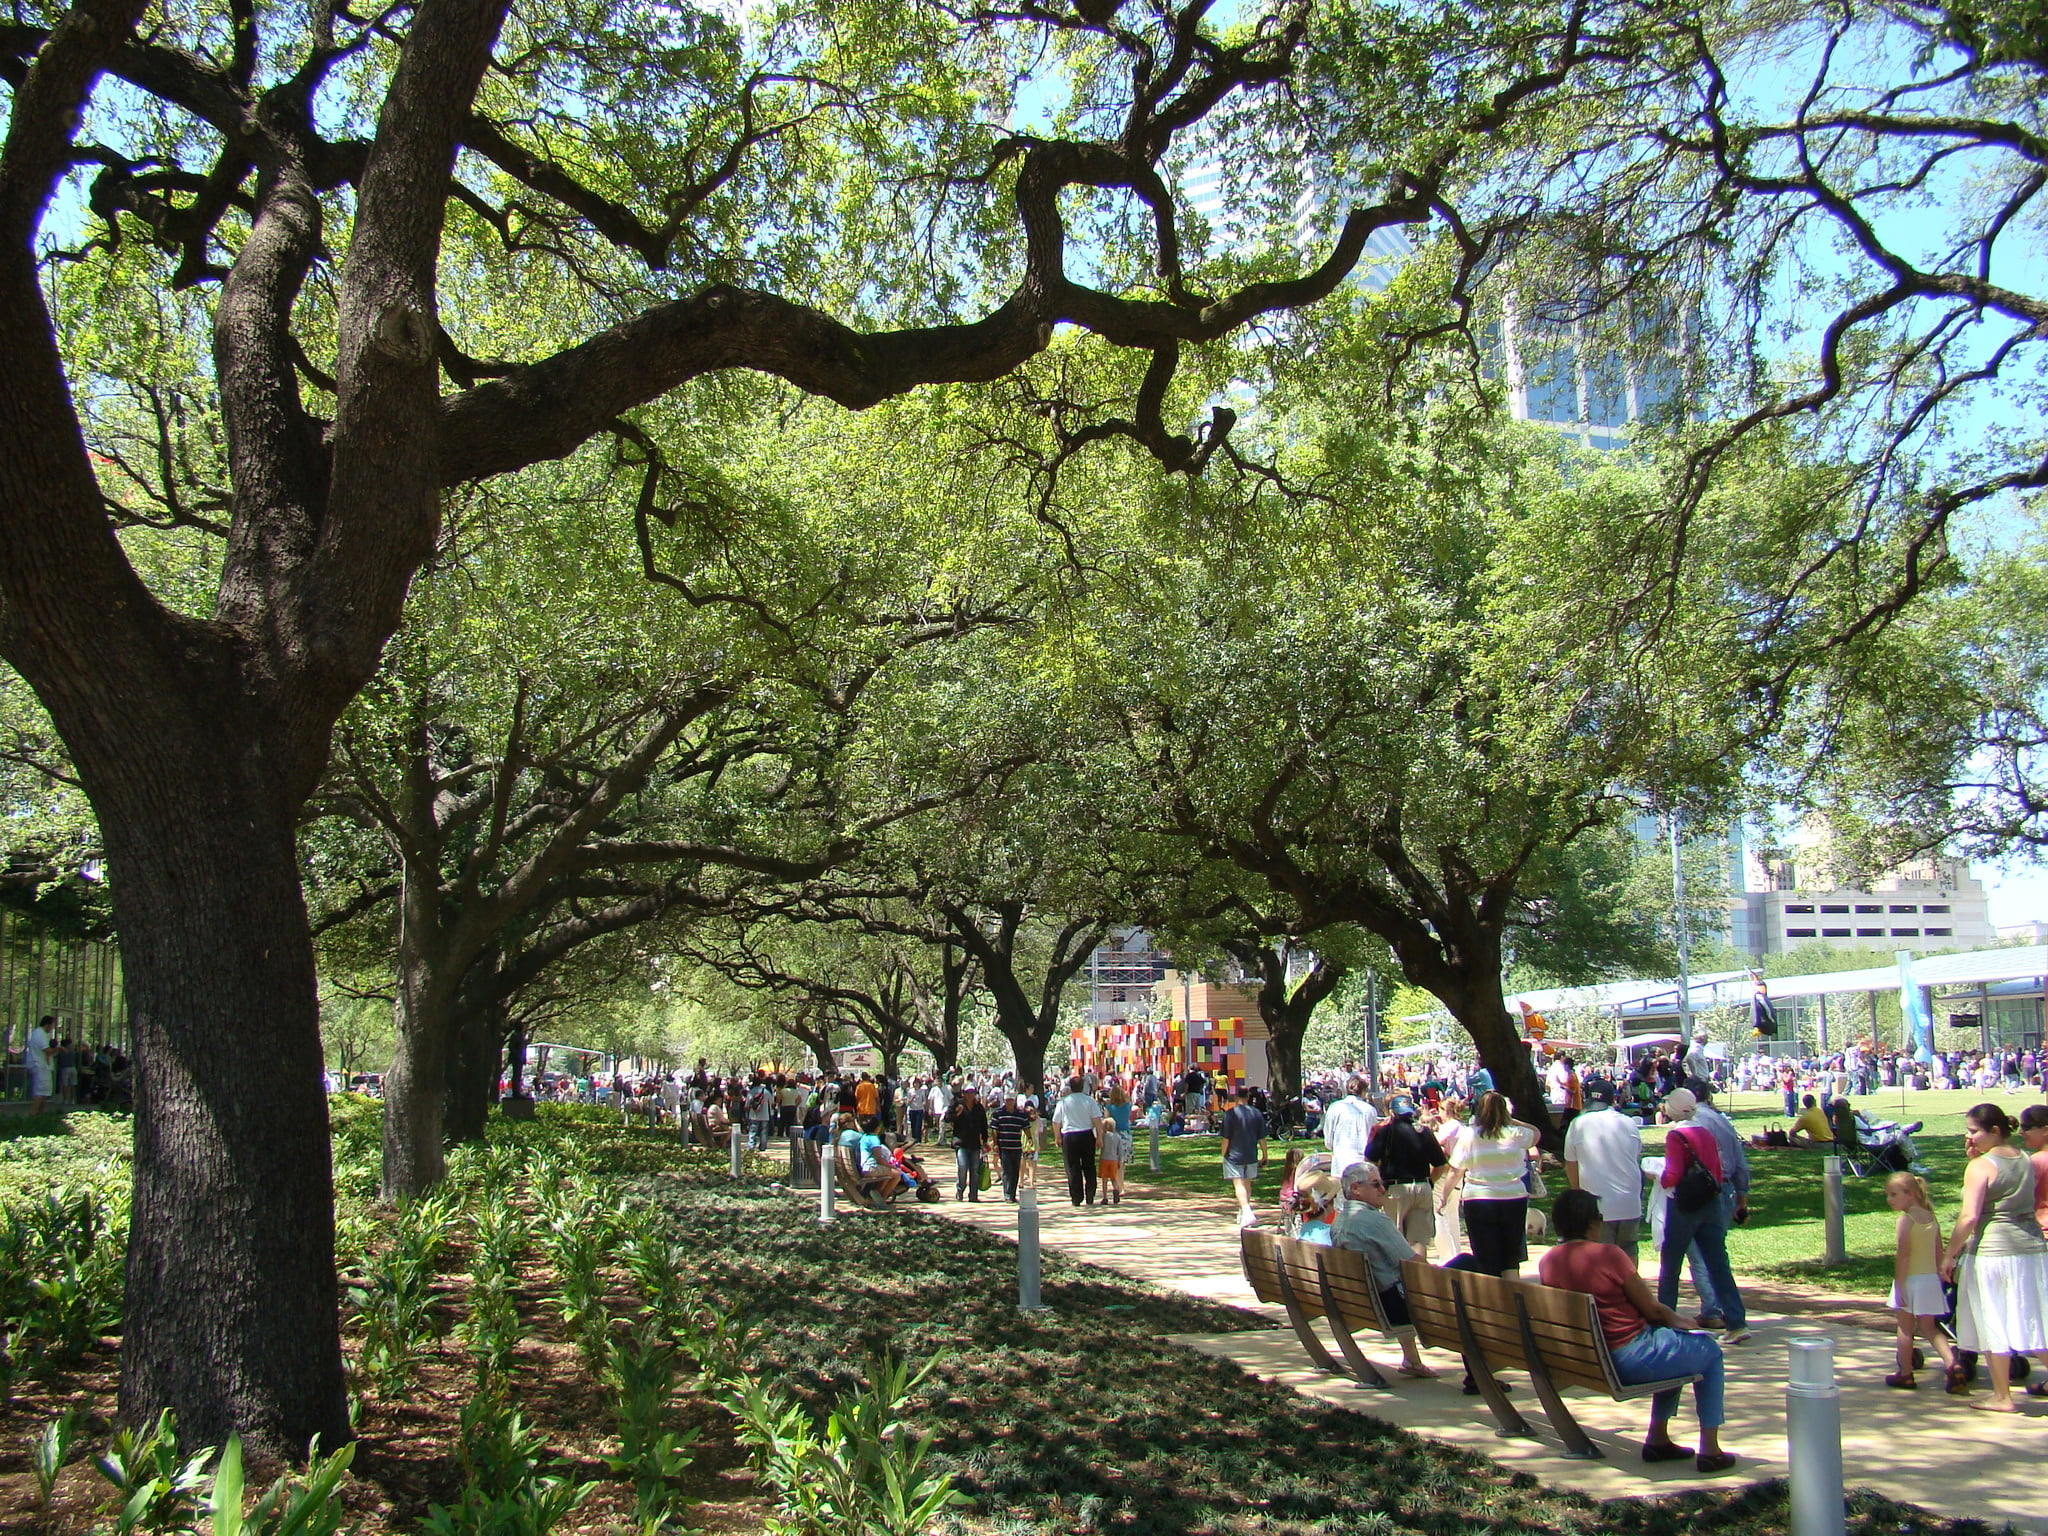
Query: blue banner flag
x: 1913, y: 1009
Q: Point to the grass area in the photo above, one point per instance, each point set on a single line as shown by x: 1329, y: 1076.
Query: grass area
x: 1081, y: 1420
x: 1078, y: 1420
x: 1784, y: 1239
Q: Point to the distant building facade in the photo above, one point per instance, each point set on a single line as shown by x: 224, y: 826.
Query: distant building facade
x: 1931, y: 903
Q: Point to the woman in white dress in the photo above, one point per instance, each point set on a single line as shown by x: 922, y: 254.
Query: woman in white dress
x: 1997, y: 1257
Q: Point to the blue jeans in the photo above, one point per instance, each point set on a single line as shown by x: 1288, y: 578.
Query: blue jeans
x: 967, y: 1164
x: 917, y: 1125
x: 1711, y: 1301
x: 1704, y: 1231
x: 1657, y: 1353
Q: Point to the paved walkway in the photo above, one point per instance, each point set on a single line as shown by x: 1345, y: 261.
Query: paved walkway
x: 1920, y: 1447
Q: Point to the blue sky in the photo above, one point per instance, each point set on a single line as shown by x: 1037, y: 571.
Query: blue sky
x: 2019, y: 892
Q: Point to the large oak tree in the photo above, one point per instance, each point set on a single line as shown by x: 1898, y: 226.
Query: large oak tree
x: 697, y: 195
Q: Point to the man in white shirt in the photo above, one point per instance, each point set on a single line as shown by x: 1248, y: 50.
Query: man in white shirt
x: 37, y: 1056
x: 1347, y: 1125
x: 1603, y: 1154
x: 1075, y: 1118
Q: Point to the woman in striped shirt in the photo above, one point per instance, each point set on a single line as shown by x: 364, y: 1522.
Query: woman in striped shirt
x: 1489, y: 1162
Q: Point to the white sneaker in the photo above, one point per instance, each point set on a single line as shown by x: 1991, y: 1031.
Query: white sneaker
x: 1247, y: 1219
x: 1737, y: 1336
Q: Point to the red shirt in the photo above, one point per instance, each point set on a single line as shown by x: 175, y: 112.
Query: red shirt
x: 1601, y: 1270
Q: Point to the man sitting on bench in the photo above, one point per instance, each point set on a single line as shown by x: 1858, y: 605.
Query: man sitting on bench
x: 1647, y: 1340
x: 1363, y: 1224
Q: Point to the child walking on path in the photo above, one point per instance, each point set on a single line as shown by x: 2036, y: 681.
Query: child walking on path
x: 1116, y: 1151
x: 1917, y: 1300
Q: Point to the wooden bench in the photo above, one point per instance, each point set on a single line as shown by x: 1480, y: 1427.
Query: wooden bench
x: 1293, y: 1275
x: 1497, y: 1324
x: 848, y: 1176
x: 1351, y: 1303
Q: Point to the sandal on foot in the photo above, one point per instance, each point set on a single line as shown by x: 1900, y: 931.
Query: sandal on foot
x: 1719, y: 1461
x: 1902, y: 1380
x: 2037, y: 1389
x: 1669, y: 1450
x: 1958, y: 1382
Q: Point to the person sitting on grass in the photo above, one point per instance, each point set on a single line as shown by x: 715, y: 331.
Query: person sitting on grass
x: 1648, y: 1341
x: 1364, y: 1226
x: 1811, y: 1129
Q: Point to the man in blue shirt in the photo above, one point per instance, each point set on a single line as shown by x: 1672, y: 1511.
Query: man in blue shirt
x: 1244, y: 1133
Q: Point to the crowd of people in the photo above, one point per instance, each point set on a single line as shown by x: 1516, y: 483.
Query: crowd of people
x: 64, y: 1070
x: 1405, y: 1176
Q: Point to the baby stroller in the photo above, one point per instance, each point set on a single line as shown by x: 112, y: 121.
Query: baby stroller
x: 915, y: 1178
x: 1298, y: 1167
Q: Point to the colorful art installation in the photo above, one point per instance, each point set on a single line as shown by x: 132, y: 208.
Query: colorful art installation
x: 1166, y: 1046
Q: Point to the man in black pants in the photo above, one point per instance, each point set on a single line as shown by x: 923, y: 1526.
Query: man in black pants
x: 1011, y: 1124
x: 1075, y: 1118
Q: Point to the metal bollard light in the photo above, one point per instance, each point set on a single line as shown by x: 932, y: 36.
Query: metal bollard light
x: 736, y: 1134
x: 1027, y: 1250
x: 1831, y: 1207
x: 1155, y: 1146
x: 1813, y: 1438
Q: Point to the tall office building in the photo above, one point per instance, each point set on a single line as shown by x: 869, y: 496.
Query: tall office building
x: 1557, y: 370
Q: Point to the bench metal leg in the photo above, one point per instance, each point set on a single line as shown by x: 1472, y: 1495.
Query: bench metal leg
x: 1505, y: 1414
x: 1304, y: 1330
x: 1368, y: 1374
x: 1576, y: 1441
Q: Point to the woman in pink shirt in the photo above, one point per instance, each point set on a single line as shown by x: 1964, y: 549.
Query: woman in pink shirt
x: 1688, y: 1145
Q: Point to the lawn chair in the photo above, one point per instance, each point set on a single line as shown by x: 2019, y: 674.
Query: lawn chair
x: 1856, y: 1157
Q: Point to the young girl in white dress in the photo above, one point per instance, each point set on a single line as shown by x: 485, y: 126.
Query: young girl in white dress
x: 1917, y: 1299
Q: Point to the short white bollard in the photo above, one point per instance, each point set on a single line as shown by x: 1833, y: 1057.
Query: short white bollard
x: 1813, y: 1438
x: 1831, y: 1209
x: 827, y: 1183
x: 1027, y: 1250
x: 736, y: 1134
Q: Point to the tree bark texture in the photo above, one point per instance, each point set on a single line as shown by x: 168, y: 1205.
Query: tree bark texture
x: 231, y: 1307
x: 1482, y: 1009
x: 471, y: 1085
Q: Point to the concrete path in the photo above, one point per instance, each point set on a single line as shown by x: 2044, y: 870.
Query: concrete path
x: 1921, y: 1447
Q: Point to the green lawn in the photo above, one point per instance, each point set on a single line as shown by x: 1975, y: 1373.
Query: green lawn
x: 1784, y: 1238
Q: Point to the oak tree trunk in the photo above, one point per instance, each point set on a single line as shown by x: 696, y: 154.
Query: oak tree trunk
x: 1483, y: 1011
x: 231, y: 1306
x: 473, y: 1065
x: 423, y: 1019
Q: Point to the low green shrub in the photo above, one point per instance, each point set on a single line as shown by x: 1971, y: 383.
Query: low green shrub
x: 642, y: 1378
x: 861, y: 1473
x: 511, y: 1487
